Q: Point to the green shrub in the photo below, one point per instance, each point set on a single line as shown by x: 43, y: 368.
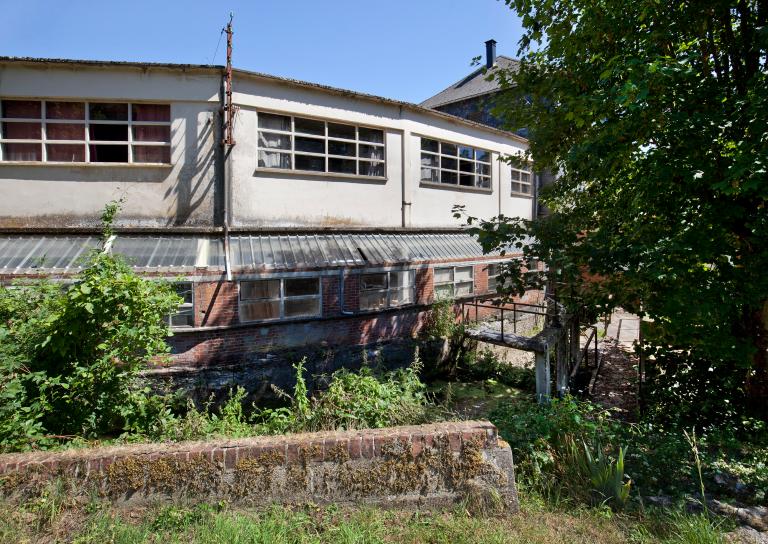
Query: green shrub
x: 352, y: 401
x: 70, y: 353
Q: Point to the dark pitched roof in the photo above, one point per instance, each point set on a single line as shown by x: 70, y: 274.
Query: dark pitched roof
x: 475, y: 84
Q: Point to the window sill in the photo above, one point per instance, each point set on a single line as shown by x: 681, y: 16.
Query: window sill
x: 309, y: 173
x: 521, y: 195
x: 88, y: 164
x: 460, y: 188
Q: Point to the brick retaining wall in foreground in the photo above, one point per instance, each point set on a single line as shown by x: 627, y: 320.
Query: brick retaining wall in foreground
x: 425, y: 465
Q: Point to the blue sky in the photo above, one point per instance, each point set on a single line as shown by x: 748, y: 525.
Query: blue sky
x: 403, y: 49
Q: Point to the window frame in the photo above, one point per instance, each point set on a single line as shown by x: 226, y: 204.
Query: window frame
x: 87, y: 123
x: 281, y: 299
x: 453, y: 283
x: 520, y: 182
x: 388, y: 290
x: 439, y: 168
x: 292, y: 133
x: 185, y: 308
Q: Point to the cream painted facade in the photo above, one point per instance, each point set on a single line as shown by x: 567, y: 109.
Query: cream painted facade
x: 202, y: 180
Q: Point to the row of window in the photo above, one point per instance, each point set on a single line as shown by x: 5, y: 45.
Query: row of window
x: 60, y: 131
x: 289, y: 298
x: 117, y: 132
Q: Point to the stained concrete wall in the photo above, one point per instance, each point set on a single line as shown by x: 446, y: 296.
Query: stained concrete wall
x: 300, y: 199
x: 48, y: 195
x: 189, y: 191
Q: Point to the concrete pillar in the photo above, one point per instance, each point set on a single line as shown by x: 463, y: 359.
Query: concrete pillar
x: 562, y: 363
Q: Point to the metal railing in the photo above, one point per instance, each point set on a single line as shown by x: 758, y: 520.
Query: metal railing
x: 515, y: 307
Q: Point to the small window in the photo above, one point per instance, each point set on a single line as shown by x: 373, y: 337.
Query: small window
x: 264, y: 300
x: 493, y: 272
x: 185, y: 315
x: 62, y: 131
x: 454, y: 282
x: 383, y: 290
x: 311, y: 145
x: 522, y: 182
x: 451, y: 164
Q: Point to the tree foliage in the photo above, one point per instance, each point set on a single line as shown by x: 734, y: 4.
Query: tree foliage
x: 654, y: 115
x: 70, y: 352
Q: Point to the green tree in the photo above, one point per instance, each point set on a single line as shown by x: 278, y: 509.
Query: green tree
x: 655, y: 117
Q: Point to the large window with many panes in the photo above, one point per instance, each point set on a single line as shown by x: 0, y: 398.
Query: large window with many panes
x: 381, y: 290
x: 454, y: 282
x: 453, y: 164
x: 67, y: 131
x: 280, y: 298
x: 287, y: 142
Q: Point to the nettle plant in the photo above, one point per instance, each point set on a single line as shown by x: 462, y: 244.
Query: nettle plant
x: 70, y: 353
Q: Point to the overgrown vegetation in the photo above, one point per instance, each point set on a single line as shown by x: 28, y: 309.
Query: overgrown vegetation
x: 70, y: 353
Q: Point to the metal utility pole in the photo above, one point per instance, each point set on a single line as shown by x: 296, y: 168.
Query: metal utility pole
x: 229, y: 112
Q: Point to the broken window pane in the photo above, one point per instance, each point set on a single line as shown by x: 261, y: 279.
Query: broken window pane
x: 108, y: 133
x: 109, y: 153
x: 467, y: 180
x: 371, y: 152
x: 430, y: 174
x: 400, y: 297
x: 108, y: 112
x: 373, y: 281
x: 448, y: 177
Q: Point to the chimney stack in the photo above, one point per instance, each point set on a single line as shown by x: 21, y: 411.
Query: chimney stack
x: 490, y: 53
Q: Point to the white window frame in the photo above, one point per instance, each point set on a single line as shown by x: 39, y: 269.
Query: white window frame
x: 389, y: 290
x: 281, y: 298
x: 454, y: 283
x: 185, y: 308
x: 292, y: 134
x: 440, y: 156
x: 518, y: 182
x: 493, y: 277
x: 87, y: 122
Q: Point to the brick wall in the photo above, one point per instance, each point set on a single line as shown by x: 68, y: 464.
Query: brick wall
x: 425, y: 465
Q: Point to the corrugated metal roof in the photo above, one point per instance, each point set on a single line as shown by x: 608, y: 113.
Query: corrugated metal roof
x: 28, y: 254
x: 24, y: 254
x: 348, y: 249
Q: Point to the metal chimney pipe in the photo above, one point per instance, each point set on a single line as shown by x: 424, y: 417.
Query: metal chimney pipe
x: 490, y: 53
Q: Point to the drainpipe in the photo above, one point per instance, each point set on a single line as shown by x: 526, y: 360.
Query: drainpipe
x: 224, y: 176
x: 342, y: 277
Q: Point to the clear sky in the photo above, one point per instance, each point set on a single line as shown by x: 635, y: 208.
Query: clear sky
x: 403, y: 49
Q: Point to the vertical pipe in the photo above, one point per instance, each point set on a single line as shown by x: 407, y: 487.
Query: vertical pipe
x: 542, y: 376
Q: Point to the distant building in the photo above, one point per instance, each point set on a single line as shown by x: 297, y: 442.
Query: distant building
x: 474, y: 98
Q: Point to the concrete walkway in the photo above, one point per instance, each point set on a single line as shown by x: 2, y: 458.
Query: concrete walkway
x: 616, y: 385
